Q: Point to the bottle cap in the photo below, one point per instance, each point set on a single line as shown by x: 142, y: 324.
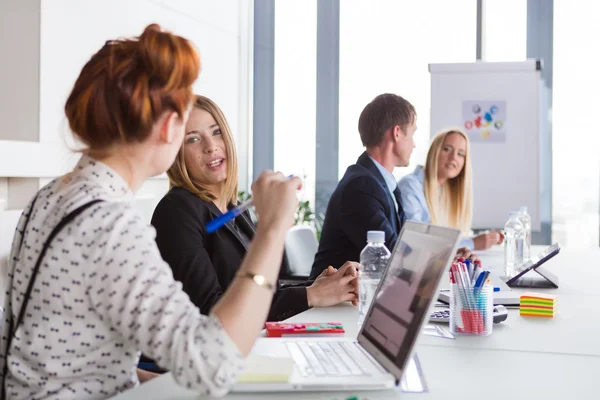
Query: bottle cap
x: 376, y: 236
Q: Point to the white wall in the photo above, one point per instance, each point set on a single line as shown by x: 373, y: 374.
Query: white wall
x: 70, y: 31
x: 19, y: 55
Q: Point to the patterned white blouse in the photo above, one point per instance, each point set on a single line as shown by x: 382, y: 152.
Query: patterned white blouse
x: 102, y: 295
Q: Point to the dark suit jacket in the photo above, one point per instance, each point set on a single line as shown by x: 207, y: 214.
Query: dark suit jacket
x: 361, y: 202
x: 206, y: 264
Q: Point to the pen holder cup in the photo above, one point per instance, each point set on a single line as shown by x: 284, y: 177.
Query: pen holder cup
x: 471, y: 310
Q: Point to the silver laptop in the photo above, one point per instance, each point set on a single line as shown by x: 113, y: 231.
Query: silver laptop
x: 381, y: 354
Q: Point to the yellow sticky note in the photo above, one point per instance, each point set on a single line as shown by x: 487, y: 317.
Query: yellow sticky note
x: 263, y: 378
x: 266, y: 369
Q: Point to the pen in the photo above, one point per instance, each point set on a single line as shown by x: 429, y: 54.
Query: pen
x: 466, y: 284
x: 221, y: 220
x: 462, y: 275
x: 482, y: 278
x: 452, y: 272
x: 467, y: 265
x: 477, y: 271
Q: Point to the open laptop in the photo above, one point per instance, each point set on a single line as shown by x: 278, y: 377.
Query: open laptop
x: 380, y: 355
x: 546, y: 279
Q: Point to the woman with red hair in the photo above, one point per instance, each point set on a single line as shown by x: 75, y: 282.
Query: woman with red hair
x: 88, y: 290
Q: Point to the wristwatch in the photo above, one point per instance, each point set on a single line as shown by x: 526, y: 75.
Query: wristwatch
x: 260, y: 280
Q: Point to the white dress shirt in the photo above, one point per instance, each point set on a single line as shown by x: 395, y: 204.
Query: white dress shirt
x: 102, y: 295
x: 390, y: 181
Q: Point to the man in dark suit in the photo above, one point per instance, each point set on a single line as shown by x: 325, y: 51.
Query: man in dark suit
x: 367, y: 198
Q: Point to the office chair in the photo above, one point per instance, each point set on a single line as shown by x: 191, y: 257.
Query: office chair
x: 301, y: 245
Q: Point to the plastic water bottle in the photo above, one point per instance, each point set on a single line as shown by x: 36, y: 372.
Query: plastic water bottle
x: 514, y: 238
x: 526, y: 221
x: 373, y: 260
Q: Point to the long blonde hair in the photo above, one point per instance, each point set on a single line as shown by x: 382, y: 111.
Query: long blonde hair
x: 449, y: 204
x: 178, y: 173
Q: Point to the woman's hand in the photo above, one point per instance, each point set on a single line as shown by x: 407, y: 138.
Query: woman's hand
x: 334, y: 286
x: 274, y: 197
x: 243, y: 308
x: 465, y: 252
x: 487, y: 240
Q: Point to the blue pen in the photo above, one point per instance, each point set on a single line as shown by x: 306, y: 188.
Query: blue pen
x: 468, y: 268
x: 479, y: 284
x: 486, y: 275
x: 215, y: 224
x: 221, y: 220
x: 477, y: 271
x: 479, y: 280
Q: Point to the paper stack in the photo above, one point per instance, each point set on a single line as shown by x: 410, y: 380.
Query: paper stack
x: 538, y: 305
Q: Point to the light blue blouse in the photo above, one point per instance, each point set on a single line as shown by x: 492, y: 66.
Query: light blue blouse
x: 414, y: 204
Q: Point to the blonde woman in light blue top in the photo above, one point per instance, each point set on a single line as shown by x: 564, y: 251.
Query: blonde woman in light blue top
x: 441, y: 193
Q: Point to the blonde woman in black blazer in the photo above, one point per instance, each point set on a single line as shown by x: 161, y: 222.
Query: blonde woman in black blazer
x: 203, y: 186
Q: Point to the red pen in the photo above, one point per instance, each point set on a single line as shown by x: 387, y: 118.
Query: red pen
x: 452, y: 269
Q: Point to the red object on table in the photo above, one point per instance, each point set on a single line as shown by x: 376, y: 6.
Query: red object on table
x: 279, y: 329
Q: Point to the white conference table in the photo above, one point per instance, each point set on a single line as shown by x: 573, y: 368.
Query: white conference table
x: 524, y: 358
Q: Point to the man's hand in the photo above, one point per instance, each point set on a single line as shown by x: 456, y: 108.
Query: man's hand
x: 334, y: 286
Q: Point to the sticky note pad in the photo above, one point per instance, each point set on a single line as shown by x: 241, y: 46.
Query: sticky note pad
x: 266, y: 369
x: 538, y: 305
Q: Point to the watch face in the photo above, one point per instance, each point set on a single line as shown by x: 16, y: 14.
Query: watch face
x: 259, y: 279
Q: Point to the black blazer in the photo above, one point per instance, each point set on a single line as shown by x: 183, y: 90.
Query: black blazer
x: 206, y: 264
x: 361, y: 202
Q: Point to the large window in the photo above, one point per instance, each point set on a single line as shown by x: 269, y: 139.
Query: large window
x: 505, y: 30
x: 576, y: 158
x: 295, y: 91
x: 386, y: 46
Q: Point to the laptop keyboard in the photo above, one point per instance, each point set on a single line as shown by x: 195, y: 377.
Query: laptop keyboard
x: 440, y: 316
x: 326, y: 359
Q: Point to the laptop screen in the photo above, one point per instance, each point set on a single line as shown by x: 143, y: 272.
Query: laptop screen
x: 402, y: 301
